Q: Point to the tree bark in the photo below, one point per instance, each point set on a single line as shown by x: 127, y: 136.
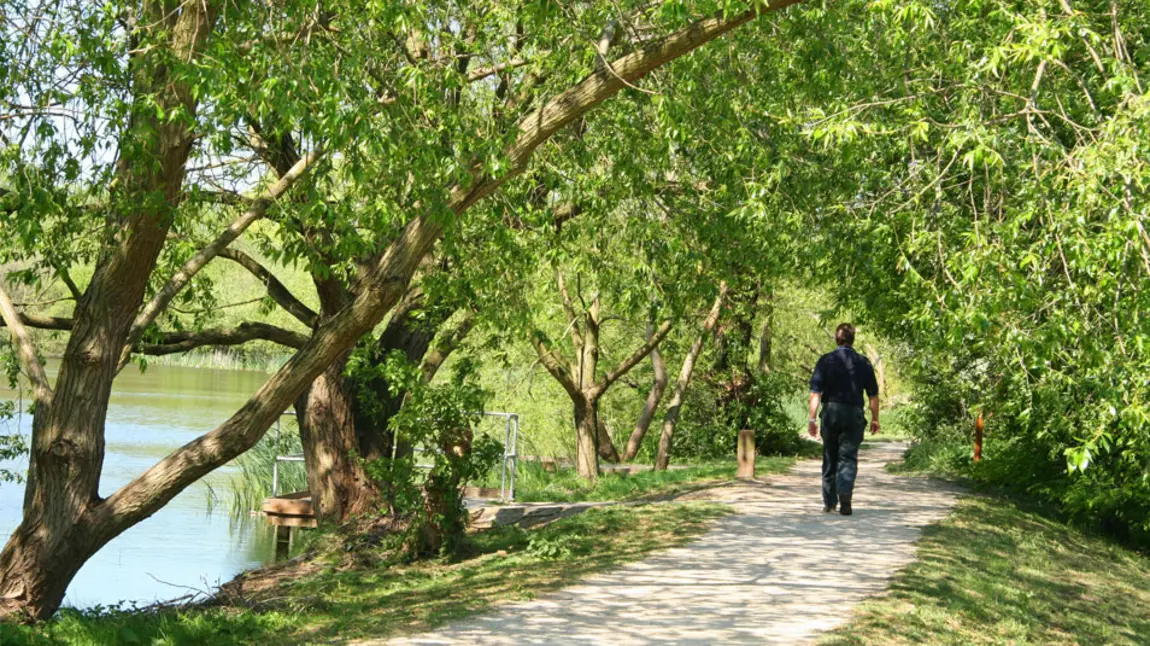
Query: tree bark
x: 338, y: 484
x: 650, y: 405
x: 587, y: 439
x: 58, y: 533
x: 663, y: 457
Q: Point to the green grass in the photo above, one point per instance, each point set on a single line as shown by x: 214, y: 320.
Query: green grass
x: 998, y: 571
x: 348, y: 598
x: 534, y: 484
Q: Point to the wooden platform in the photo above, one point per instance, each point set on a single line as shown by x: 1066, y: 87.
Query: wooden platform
x: 296, y: 510
x: 290, y: 510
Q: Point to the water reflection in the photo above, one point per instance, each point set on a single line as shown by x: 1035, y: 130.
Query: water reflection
x: 186, y: 545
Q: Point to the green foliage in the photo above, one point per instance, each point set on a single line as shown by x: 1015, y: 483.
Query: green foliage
x: 437, y: 422
x: 991, y: 214
x: 12, y: 443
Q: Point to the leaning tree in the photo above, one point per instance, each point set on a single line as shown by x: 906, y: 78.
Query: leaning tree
x: 116, y: 116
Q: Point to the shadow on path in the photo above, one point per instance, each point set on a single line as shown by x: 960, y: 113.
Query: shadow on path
x: 778, y: 572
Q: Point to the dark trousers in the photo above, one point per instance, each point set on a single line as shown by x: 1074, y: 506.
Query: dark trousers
x: 843, y: 429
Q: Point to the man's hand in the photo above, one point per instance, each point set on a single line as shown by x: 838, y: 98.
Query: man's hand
x: 874, y: 406
x: 812, y: 419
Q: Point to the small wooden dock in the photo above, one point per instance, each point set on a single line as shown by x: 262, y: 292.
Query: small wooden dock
x: 290, y: 510
x: 286, y: 511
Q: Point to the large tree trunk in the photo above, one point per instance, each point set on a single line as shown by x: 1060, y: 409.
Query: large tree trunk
x: 57, y: 534
x: 635, y: 442
x: 663, y: 457
x: 338, y: 484
x: 587, y: 439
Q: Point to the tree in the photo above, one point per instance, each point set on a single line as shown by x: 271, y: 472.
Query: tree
x: 650, y: 403
x: 580, y: 377
x: 671, y: 417
x: 170, y: 78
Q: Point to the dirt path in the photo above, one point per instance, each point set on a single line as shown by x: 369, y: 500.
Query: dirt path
x: 778, y: 572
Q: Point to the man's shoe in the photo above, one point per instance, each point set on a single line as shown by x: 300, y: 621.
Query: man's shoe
x: 829, y: 509
x: 845, y: 505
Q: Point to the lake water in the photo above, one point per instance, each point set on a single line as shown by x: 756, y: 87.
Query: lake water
x: 189, y: 542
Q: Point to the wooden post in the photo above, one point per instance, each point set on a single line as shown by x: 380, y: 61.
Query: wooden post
x: 746, y: 454
x: 283, y: 542
x: 978, y: 426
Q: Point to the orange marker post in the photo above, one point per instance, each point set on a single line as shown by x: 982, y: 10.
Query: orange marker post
x: 978, y: 426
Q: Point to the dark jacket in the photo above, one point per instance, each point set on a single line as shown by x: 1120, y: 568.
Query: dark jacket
x: 841, y: 377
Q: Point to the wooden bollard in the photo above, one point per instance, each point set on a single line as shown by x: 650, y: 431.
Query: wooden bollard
x: 746, y: 454
x: 978, y: 428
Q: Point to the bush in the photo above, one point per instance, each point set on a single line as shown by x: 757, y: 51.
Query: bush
x: 709, y: 431
x: 438, y: 422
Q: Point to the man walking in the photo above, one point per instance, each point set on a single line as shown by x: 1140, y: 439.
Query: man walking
x: 839, y: 381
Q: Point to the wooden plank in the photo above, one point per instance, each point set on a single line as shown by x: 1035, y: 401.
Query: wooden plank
x: 481, y: 492
x: 291, y: 521
x: 292, y: 504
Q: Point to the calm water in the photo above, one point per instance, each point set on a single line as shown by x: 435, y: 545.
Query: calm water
x: 183, y: 544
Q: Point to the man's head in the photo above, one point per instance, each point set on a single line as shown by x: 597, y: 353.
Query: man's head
x: 845, y: 334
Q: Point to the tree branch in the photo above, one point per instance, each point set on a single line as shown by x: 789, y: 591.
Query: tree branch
x: 481, y: 73
x: 569, y: 309
x: 446, y: 343
x: 175, y: 342
x: 555, y: 364
x: 194, y: 264
x: 66, y: 278
x: 43, y: 322
x: 279, y: 293
x: 637, y: 356
x: 26, y: 349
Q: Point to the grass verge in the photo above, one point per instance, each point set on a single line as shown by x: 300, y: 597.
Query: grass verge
x: 358, y: 597
x: 997, y: 571
x: 534, y: 484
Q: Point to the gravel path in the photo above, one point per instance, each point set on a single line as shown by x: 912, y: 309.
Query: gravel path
x: 779, y: 571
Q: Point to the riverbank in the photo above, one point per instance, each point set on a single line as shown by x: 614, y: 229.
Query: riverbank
x: 360, y: 594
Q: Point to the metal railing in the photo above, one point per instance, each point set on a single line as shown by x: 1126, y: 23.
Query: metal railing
x: 281, y: 458
x: 507, y: 469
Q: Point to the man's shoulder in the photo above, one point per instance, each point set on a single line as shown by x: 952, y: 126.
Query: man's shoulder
x: 857, y: 356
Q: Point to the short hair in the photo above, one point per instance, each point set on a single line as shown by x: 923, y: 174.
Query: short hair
x: 845, y: 334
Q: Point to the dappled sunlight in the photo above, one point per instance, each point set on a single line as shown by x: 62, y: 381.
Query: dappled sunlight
x: 778, y: 571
